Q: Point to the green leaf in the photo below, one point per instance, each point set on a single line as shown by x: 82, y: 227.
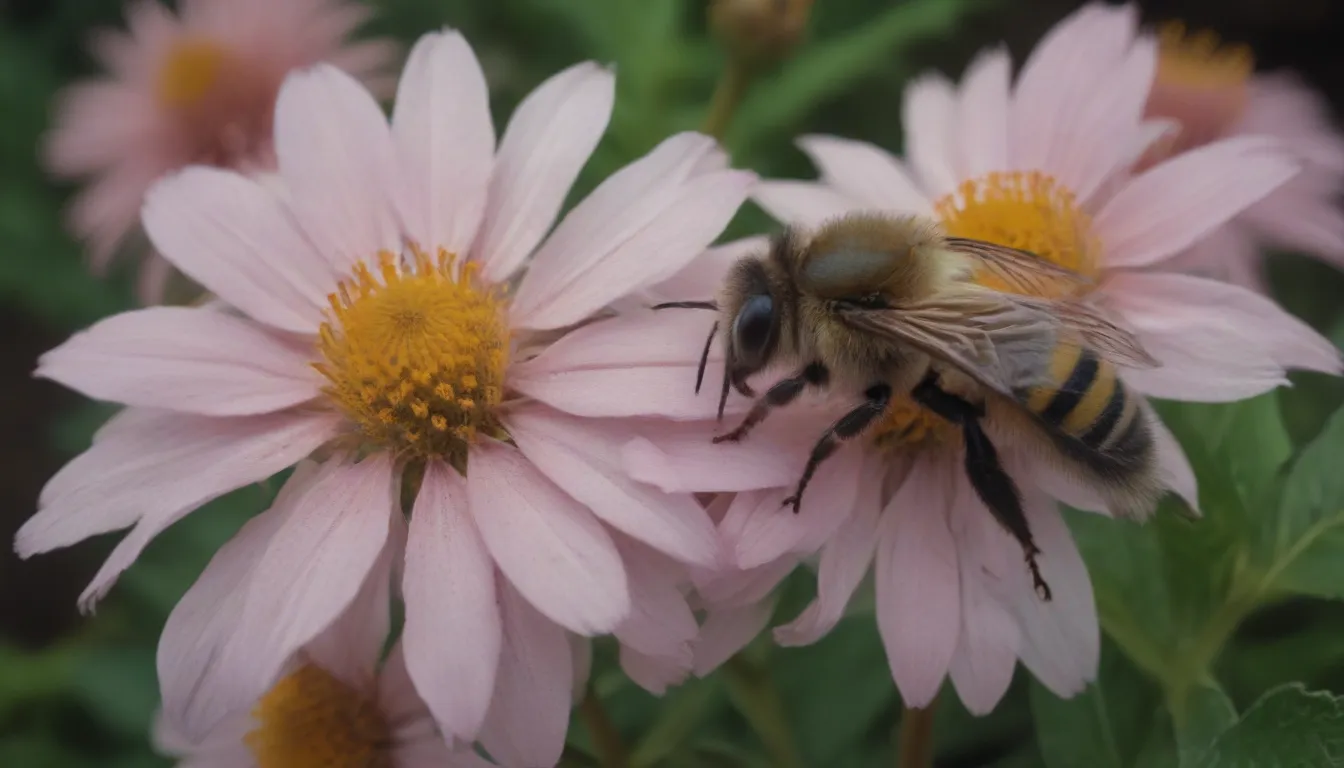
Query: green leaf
x: 1205, y: 713
x: 1105, y: 725
x: 754, y: 693
x: 679, y: 718
x: 1288, y: 726
x: 1309, y: 529
x: 119, y: 685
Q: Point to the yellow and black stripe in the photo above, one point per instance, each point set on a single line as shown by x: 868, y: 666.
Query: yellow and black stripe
x: 1085, y: 400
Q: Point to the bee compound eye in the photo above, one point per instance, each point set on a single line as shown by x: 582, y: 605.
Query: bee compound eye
x: 753, y: 328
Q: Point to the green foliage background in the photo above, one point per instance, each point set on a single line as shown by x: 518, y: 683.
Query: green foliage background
x: 1224, y: 638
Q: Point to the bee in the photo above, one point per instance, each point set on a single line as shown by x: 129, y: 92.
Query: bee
x: 891, y: 306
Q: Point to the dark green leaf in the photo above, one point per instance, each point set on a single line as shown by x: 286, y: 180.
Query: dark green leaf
x: 1289, y: 726
x: 1204, y: 713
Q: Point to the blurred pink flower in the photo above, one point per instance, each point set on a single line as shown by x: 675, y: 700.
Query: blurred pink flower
x: 415, y: 377
x: 1211, y: 93
x: 334, y: 694
x: 198, y: 87
x: 1038, y: 166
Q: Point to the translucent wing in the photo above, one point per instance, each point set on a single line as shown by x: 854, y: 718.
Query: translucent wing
x: 1003, y: 345
x: 1018, y: 271
x: 1095, y: 328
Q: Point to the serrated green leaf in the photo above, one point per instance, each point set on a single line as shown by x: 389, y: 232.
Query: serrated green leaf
x: 1288, y: 726
x: 1205, y: 713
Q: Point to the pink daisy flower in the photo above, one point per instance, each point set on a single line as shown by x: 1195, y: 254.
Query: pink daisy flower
x: 1210, y: 92
x: 1038, y: 164
x: 198, y: 87
x: 374, y: 313
x: 333, y: 703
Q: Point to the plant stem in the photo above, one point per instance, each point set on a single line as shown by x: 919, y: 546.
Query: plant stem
x: 756, y: 697
x: 728, y: 95
x: 914, y: 744
x: 606, y: 740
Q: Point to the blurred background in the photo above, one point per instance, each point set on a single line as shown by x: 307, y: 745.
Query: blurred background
x: 80, y: 691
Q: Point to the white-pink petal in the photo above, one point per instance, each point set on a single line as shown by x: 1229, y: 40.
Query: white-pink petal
x: 453, y: 631
x: 929, y: 114
x: 1169, y: 207
x: 529, y: 714
x: 445, y: 141
x: 547, y: 142
x: 866, y: 174
x: 982, y: 115
x: 660, y: 623
x: 191, y: 360
x: 639, y: 227
x: 918, y: 582
x: 727, y: 631
x: 772, y: 529
x: 549, y: 546
x: 801, y: 203
x: 582, y: 457
x: 1174, y: 467
x: 233, y: 236
x: 337, y: 159
x: 703, y: 278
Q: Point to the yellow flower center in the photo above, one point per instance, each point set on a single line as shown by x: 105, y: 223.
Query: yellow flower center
x: 1025, y: 210
x: 415, y: 355
x: 1201, y: 83
x: 310, y: 719
x: 189, y: 72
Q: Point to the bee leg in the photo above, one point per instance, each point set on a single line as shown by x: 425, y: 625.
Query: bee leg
x: 782, y: 393
x: 877, y: 398
x: 991, y: 483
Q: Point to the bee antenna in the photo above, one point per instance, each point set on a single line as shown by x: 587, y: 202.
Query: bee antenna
x: 704, y: 357
x: 714, y: 305
x: 723, y: 395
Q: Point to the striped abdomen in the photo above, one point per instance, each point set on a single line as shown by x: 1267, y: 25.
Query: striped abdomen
x: 1090, y: 413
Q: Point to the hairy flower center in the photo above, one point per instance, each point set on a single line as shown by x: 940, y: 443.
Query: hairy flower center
x: 1025, y: 210
x: 1201, y: 83
x: 310, y: 719
x: 415, y: 356
x: 189, y: 72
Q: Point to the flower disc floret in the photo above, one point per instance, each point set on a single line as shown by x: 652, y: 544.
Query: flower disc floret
x: 311, y: 719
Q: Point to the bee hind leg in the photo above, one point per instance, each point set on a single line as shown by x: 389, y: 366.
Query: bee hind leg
x: 989, y: 479
x: 876, y: 400
x: 782, y: 393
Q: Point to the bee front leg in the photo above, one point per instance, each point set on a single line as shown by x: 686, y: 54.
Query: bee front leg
x: 782, y: 393
x: 991, y: 483
x: 852, y: 424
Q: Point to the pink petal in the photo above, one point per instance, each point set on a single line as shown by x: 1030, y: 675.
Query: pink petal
x: 1174, y: 204
x: 351, y: 646
x: 703, y: 278
x: 660, y: 623
x: 982, y: 115
x: 1061, y: 641
x: 636, y: 365
x: 547, y: 142
x: 982, y: 668
x: 736, y: 587
x: 1215, y: 341
x: 548, y: 545
x: 801, y: 203
x: 684, y: 460
x: 868, y: 175
x: 234, y: 237
x: 314, y: 565
x: 337, y: 159
x: 191, y: 360
x: 928, y: 112
x: 1109, y: 120
x: 157, y: 470
x: 197, y: 692
x: 445, y: 140
x: 639, y: 227
x: 1304, y: 215
x: 727, y: 631
x: 917, y: 580
x: 530, y: 712
x: 844, y: 562
x: 1175, y: 468
x: 399, y: 701
x: 452, y: 634
x: 582, y: 457
x: 654, y: 674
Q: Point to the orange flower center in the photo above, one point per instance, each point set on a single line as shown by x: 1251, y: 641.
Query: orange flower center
x: 190, y: 72
x: 1027, y: 210
x: 310, y: 719
x: 1201, y: 83
x: 415, y: 355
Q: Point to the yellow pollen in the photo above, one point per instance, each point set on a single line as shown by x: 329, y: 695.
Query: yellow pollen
x: 415, y: 356
x: 1201, y: 58
x: 1201, y: 83
x: 190, y: 71
x: 310, y: 719
x: 1025, y: 210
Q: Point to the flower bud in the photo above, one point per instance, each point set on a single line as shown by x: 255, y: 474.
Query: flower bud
x: 759, y: 32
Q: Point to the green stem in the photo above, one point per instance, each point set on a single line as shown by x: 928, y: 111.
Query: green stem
x: 728, y: 94
x: 914, y: 743
x: 611, y: 751
x: 757, y: 698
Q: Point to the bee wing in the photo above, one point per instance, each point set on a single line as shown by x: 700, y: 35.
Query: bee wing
x: 1096, y: 329
x: 1001, y: 344
x: 1023, y: 272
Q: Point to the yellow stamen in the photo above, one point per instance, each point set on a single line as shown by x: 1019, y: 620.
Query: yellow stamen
x: 415, y: 356
x: 1200, y: 58
x: 310, y: 719
x: 190, y: 71
x: 1201, y: 83
x: 1025, y: 210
